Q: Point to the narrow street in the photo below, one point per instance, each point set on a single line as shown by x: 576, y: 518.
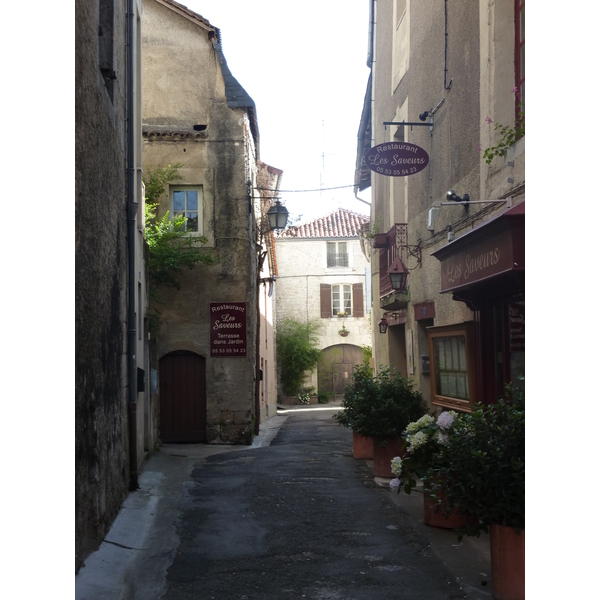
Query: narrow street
x: 299, y: 519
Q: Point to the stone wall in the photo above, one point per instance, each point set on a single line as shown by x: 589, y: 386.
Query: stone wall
x: 101, y: 441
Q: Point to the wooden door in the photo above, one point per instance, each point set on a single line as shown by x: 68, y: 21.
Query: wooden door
x: 182, y: 397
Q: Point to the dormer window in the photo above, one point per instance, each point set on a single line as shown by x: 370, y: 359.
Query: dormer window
x: 337, y: 254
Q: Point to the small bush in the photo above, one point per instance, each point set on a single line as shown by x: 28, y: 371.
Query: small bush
x: 380, y: 406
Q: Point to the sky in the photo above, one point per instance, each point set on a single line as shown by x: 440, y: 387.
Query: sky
x: 304, y: 65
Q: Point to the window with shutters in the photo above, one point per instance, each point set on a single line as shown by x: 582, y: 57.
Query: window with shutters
x: 342, y: 298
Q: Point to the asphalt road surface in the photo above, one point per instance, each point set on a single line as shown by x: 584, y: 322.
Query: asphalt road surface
x: 299, y: 519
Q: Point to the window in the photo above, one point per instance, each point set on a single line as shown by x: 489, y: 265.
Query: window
x: 452, y: 366
x: 187, y: 202
x: 337, y: 254
x: 341, y: 299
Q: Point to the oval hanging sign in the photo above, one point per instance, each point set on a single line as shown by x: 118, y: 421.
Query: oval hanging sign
x: 396, y: 159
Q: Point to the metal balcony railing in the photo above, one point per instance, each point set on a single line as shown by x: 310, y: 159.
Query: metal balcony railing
x: 337, y: 260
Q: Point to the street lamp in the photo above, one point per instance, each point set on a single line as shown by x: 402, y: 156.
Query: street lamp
x: 383, y: 325
x: 398, y: 275
x: 278, y: 216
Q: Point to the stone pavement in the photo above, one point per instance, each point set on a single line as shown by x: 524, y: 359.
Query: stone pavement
x: 294, y: 515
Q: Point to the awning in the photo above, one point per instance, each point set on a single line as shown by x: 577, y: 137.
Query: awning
x: 492, y: 251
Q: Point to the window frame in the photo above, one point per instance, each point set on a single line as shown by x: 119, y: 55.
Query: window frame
x: 467, y: 331
x: 337, y: 254
x: 342, y: 287
x: 200, y: 210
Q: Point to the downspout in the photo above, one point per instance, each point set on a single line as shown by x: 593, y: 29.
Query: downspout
x: 132, y: 208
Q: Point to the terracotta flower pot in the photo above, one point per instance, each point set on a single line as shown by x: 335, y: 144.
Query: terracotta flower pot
x: 380, y: 240
x: 438, y: 519
x: 362, y: 447
x: 507, y: 551
x: 382, y: 456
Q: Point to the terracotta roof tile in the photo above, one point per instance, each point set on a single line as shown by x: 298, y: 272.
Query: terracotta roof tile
x: 342, y: 223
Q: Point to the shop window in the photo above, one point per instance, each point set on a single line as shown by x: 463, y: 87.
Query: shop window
x: 452, y: 366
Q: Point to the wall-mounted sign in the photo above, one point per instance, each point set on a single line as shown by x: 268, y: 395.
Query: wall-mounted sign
x: 396, y: 159
x: 227, y: 329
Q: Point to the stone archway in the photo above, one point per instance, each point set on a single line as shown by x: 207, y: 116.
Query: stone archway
x: 334, y: 371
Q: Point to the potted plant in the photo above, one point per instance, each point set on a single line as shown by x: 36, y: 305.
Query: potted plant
x: 380, y: 408
x: 482, y: 473
x: 343, y: 331
x: 342, y: 314
x: 380, y: 240
x: 423, y: 439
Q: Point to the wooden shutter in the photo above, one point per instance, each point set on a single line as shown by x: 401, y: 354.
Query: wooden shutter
x: 325, y: 301
x: 357, y: 300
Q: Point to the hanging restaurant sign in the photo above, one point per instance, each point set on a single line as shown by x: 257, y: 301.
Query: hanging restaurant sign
x: 396, y: 159
x: 227, y: 329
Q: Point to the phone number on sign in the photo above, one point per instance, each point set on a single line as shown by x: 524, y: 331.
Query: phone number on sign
x: 229, y: 351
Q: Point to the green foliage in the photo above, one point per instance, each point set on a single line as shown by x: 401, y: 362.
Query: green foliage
x: 367, y: 354
x: 170, y: 248
x: 508, y: 136
x: 482, y: 469
x: 297, y: 352
x: 156, y: 182
x: 380, y: 406
x: 324, y: 397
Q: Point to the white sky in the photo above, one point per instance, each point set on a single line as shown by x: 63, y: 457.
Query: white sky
x: 304, y: 65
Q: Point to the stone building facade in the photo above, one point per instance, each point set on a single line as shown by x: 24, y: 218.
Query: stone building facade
x: 453, y: 71
x: 322, y: 274
x: 114, y: 429
x: 197, y: 115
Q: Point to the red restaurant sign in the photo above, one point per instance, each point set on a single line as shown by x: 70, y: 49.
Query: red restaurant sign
x: 396, y: 159
x: 227, y: 329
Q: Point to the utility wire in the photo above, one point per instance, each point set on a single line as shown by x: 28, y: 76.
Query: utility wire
x: 339, y: 187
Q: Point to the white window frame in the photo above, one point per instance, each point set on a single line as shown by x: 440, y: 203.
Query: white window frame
x: 188, y: 188
x: 339, y: 289
x: 338, y: 253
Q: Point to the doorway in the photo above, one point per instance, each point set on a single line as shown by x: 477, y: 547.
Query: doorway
x: 182, y: 397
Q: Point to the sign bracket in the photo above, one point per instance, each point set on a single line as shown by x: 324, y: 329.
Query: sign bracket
x: 409, y: 124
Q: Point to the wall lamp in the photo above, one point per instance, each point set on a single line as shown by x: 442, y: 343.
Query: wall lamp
x: 383, y: 322
x: 278, y: 216
x: 398, y: 275
x: 452, y: 196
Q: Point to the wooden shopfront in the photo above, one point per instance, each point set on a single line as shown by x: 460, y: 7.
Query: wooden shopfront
x: 484, y: 268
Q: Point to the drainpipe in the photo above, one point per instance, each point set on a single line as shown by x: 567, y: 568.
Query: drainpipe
x: 132, y: 208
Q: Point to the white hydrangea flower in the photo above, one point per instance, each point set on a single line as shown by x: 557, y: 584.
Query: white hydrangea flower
x: 445, y: 420
x: 441, y: 438
x: 394, y: 484
x: 417, y: 440
x: 423, y: 422
x: 396, y: 465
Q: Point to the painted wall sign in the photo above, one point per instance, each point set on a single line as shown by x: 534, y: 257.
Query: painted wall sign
x: 478, y: 262
x: 227, y: 329
x: 396, y: 159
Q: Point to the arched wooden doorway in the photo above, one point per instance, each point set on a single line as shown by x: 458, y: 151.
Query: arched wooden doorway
x: 334, y: 371
x: 182, y: 397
